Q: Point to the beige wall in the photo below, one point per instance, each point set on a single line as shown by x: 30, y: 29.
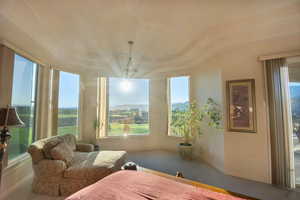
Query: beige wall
x: 245, y: 155
x: 207, y: 83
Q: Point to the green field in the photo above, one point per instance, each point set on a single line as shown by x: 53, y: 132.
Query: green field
x: 22, y: 138
x: 116, y: 129
x: 67, y: 129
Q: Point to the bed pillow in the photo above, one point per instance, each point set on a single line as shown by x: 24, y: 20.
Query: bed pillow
x: 62, y: 152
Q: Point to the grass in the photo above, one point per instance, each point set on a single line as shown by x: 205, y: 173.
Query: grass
x: 67, y: 115
x: 116, y: 129
x: 67, y: 129
x: 22, y: 138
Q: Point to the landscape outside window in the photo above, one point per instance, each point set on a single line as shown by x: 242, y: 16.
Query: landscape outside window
x: 179, y: 99
x: 128, y: 107
x: 68, y: 103
x: 23, y: 98
x: 295, y: 109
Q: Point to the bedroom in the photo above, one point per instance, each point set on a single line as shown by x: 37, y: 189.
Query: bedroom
x: 81, y: 49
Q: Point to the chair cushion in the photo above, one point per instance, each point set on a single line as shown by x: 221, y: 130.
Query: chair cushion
x: 96, y: 165
x: 49, y: 144
x: 62, y: 152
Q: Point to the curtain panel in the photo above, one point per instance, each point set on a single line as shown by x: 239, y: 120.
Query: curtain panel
x: 6, y: 83
x: 280, y: 160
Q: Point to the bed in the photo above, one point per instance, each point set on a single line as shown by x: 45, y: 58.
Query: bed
x: 141, y: 185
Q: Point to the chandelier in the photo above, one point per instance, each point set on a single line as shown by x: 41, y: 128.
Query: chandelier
x: 128, y: 69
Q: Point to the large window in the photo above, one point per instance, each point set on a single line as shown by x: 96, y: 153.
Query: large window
x: 128, y: 107
x: 68, y: 103
x: 178, y: 100
x: 24, y: 99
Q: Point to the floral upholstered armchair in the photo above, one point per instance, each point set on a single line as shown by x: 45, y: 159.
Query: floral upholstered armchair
x: 62, y: 166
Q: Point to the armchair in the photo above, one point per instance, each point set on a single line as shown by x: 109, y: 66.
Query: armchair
x: 57, y: 177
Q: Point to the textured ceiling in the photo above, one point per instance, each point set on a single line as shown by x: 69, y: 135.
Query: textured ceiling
x: 168, y: 35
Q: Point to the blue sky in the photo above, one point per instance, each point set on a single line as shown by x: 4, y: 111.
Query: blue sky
x: 135, y: 91
x: 294, y: 84
x: 68, y: 90
x: 179, y: 89
x: 294, y: 89
x: 23, y: 85
x: 23, y: 81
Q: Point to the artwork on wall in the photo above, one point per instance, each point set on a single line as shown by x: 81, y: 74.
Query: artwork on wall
x: 241, y: 105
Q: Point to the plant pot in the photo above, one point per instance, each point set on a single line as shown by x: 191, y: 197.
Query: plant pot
x: 185, y: 151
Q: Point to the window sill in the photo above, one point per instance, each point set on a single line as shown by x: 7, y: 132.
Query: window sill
x: 124, y: 137
x: 16, y: 161
x: 175, y: 136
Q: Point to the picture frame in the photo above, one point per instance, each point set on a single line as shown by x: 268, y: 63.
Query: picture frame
x: 241, y: 106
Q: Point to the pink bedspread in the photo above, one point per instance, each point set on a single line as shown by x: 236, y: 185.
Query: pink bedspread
x: 136, y: 185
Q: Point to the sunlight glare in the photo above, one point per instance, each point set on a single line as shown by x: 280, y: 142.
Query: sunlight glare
x: 125, y: 85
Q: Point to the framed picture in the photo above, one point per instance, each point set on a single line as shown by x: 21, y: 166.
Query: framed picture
x: 241, y: 105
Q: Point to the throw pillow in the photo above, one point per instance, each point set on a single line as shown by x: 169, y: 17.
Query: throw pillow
x: 62, y: 152
x: 51, y: 143
x: 70, y: 140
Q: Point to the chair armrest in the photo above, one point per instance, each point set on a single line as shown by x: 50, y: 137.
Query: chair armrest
x: 84, y: 147
x: 50, y: 167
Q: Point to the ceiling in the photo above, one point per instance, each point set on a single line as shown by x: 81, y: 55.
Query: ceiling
x: 92, y: 35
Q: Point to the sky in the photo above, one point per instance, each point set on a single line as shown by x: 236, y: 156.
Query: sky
x: 68, y: 90
x: 128, y: 91
x: 179, y: 89
x: 24, y: 85
x: 24, y: 74
x: 294, y: 84
x: 294, y: 89
x: 136, y: 91
x: 121, y: 91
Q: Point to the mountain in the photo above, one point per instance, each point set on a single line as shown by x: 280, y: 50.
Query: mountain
x: 144, y: 107
x: 141, y: 107
x: 180, y: 106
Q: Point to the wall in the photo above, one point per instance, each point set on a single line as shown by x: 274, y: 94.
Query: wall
x: 207, y: 83
x: 248, y: 155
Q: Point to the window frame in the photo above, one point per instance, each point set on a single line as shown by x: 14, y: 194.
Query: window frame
x: 169, y: 102
x: 102, y: 132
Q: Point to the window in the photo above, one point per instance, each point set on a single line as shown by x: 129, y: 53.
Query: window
x: 128, y: 107
x: 24, y: 99
x: 68, y: 103
x: 178, y: 99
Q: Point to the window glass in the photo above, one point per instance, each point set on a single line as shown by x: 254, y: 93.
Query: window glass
x: 179, y: 99
x: 294, y: 87
x: 128, y: 112
x: 68, y: 103
x: 24, y: 99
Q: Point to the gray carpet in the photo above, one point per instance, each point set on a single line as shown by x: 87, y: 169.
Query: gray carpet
x: 171, y: 163
x: 195, y: 170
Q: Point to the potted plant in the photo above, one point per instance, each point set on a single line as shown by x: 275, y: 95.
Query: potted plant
x: 187, y: 123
